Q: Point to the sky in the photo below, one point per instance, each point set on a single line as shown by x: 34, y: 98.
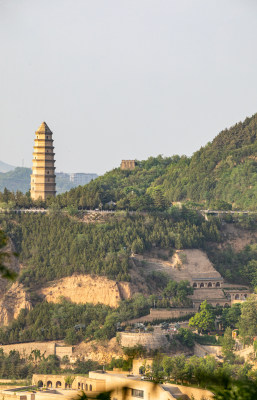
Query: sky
x: 123, y: 79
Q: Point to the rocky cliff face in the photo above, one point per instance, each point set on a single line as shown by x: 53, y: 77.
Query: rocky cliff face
x: 12, y: 302
x: 87, y: 289
x: 100, y: 352
x: 77, y: 289
x: 12, y: 295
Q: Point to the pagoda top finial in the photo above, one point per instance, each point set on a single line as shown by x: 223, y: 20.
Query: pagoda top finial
x: 44, y: 128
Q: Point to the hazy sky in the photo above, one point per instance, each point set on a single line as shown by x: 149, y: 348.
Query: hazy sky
x: 123, y: 79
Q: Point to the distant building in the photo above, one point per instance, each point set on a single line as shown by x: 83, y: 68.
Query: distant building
x: 43, y: 169
x: 81, y: 178
x: 63, y: 175
x: 128, y: 165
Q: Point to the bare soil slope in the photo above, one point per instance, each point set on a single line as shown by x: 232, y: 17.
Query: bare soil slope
x: 236, y: 237
x: 12, y: 295
x: 183, y: 265
x: 87, y: 289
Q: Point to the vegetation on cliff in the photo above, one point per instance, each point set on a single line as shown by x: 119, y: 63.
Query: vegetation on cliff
x: 237, y: 267
x: 76, y: 322
x: 5, y: 272
x: 224, y: 171
x: 15, y: 366
x: 55, y: 246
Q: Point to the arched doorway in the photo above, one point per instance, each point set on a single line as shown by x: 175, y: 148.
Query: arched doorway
x: 226, y: 305
x: 142, y: 370
x: 78, y: 385
x: 58, y: 384
x: 40, y: 384
x: 237, y: 297
x: 49, y: 384
x: 194, y: 285
x: 90, y: 388
x: 218, y: 284
x: 209, y: 284
x: 202, y: 285
x: 86, y: 387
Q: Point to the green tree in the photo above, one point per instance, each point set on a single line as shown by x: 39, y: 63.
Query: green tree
x: 228, y: 344
x: 69, y: 380
x: 241, y: 390
x: 203, y: 320
x: 71, y: 336
x: 248, y: 319
x: 4, y: 270
x: 179, y: 370
x: 230, y: 316
x: 137, y: 246
x: 186, y: 337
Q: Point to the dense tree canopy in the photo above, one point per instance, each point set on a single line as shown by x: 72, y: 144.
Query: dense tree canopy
x: 236, y: 266
x: 55, y: 246
x: 222, y: 173
x: 248, y: 320
x: 204, y: 319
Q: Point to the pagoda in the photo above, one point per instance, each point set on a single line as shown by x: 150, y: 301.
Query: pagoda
x: 43, y: 169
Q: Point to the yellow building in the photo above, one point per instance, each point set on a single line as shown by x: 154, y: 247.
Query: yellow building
x: 129, y: 165
x: 121, y: 387
x: 43, y: 169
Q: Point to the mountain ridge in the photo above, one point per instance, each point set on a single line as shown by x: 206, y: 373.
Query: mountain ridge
x: 4, y: 167
x: 224, y: 171
x: 220, y: 175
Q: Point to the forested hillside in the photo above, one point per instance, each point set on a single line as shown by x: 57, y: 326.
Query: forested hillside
x: 221, y: 174
x: 55, y: 246
x: 5, y: 167
x: 16, y: 179
x: 224, y: 170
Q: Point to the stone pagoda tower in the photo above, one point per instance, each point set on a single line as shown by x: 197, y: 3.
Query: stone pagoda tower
x: 43, y: 169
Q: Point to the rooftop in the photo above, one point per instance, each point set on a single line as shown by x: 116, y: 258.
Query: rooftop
x: 44, y: 128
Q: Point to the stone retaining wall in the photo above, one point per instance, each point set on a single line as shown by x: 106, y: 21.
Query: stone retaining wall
x: 201, y: 350
x: 195, y: 393
x: 46, y: 348
x: 158, y: 313
x: 151, y: 341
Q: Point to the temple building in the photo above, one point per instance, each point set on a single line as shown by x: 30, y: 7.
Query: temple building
x: 43, y: 169
x: 129, y: 165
